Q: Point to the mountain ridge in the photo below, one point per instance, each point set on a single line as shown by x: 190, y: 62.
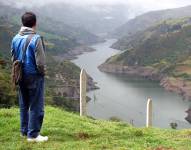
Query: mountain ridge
x: 149, y: 19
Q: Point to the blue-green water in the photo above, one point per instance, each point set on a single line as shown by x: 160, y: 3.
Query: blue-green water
x: 126, y: 97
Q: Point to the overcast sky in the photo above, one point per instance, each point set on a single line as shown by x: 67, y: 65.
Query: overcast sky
x: 137, y: 6
x: 143, y: 3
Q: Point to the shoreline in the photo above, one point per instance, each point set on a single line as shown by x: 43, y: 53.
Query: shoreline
x: 72, y: 54
x: 176, y: 85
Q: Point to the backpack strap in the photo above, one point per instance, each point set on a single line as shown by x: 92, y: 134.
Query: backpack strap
x: 43, y: 45
x: 26, y: 46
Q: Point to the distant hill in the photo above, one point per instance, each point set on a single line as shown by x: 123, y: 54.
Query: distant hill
x: 169, y: 42
x: 97, y: 19
x: 166, y: 27
x: 149, y: 19
x: 51, y: 25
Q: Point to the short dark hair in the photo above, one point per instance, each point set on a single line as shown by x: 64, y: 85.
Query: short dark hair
x: 28, y: 19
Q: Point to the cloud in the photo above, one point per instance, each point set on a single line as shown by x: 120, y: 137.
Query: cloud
x: 135, y: 7
x: 147, y: 4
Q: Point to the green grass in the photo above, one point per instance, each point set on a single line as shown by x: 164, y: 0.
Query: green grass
x: 68, y: 131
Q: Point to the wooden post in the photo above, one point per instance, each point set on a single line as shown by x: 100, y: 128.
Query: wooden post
x: 149, y: 113
x: 83, y: 93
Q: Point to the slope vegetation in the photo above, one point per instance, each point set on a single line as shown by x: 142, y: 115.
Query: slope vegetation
x: 68, y: 131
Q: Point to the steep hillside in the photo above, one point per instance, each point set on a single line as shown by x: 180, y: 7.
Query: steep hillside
x: 149, y: 19
x: 76, y: 35
x: 7, y: 31
x: 68, y: 131
x: 62, y: 77
x: 7, y: 95
x: 166, y: 41
x: 161, y: 52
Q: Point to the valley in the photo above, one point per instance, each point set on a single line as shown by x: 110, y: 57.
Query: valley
x: 153, y: 49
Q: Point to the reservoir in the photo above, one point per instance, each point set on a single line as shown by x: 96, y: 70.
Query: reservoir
x: 126, y: 97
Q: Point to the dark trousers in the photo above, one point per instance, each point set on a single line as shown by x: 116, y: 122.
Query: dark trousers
x: 31, y: 101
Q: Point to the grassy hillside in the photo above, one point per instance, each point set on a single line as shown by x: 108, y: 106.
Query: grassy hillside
x: 149, y: 19
x: 68, y: 131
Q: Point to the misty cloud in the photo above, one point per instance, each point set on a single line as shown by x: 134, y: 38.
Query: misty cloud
x: 147, y: 4
x: 135, y: 7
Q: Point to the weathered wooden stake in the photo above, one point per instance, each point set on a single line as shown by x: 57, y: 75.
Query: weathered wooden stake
x: 149, y: 113
x: 83, y: 93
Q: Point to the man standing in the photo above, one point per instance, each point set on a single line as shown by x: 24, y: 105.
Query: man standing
x: 28, y: 47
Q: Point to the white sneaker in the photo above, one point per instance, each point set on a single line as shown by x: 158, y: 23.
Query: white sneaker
x: 39, y: 138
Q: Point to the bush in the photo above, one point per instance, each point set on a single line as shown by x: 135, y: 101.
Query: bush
x: 7, y: 95
x: 115, y: 119
x: 173, y: 125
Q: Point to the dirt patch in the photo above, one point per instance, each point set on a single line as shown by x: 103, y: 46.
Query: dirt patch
x: 162, y: 148
x: 82, y: 136
x: 184, y: 69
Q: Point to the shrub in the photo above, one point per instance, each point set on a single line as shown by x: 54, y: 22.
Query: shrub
x: 173, y: 125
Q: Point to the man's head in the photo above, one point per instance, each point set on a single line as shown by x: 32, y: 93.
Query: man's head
x: 29, y: 19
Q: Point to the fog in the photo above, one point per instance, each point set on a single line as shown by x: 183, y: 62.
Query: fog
x: 96, y: 16
x: 136, y: 6
x: 147, y: 4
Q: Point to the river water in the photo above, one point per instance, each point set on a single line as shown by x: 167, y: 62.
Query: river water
x: 126, y: 97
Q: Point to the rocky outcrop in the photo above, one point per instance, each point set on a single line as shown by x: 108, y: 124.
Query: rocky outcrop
x: 177, y: 85
x: 146, y: 72
x: 91, y: 85
x: 188, y: 118
x: 172, y: 84
x: 71, y: 88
